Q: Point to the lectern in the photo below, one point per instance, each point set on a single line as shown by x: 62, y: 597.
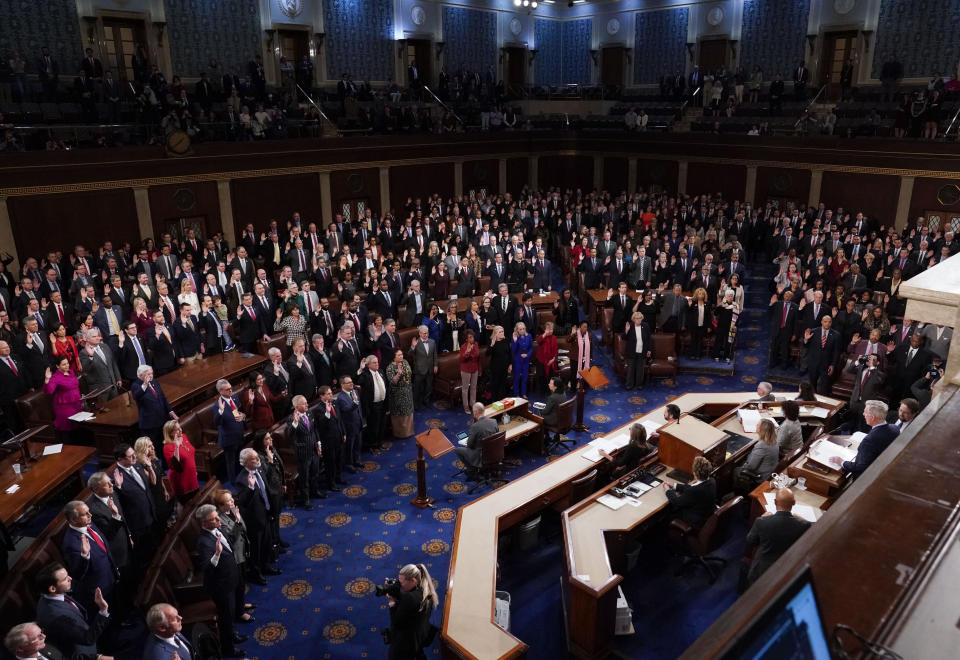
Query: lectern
x: 595, y: 379
x: 435, y: 443
x: 687, y: 438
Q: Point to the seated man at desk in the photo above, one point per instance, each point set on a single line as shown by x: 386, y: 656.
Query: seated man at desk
x: 774, y: 533
x: 879, y: 438
x: 696, y: 501
x: 765, y: 391
x: 550, y: 410
x: 480, y: 429
x: 632, y: 454
x: 670, y: 414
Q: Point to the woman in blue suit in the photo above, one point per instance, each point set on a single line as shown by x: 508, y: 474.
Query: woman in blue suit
x: 521, y: 347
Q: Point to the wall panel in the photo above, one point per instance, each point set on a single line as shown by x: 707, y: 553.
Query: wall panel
x: 566, y: 172
x: 419, y: 181
x: 259, y: 200
x: 615, y: 174
x: 88, y: 219
x: 661, y: 173
x: 874, y: 194
x: 924, y: 198
x: 199, y: 30
x: 709, y: 178
x: 479, y: 174
x: 783, y: 183
x: 517, y: 175
x: 356, y: 184
x: 169, y: 203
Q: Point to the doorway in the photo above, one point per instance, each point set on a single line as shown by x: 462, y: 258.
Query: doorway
x: 516, y: 65
x: 713, y: 54
x: 177, y: 227
x: 611, y: 65
x: 418, y: 50
x: 838, y: 49
x: 121, y: 37
x: 353, y: 209
x: 294, y: 44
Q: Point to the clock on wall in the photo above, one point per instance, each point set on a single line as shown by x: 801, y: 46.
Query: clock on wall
x: 949, y: 194
x: 844, y: 6
x: 418, y: 15
x: 613, y: 26
x: 715, y: 15
x: 516, y: 27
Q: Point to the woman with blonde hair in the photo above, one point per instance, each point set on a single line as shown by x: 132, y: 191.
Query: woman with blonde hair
x: 412, y: 600
x: 763, y: 458
x: 699, y: 317
x: 180, y: 456
x: 188, y: 295
x: 147, y: 457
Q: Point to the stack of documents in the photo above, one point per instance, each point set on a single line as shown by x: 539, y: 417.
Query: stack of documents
x: 814, y: 411
x: 612, y: 501
x: 822, y: 451
x: 607, y: 444
x: 749, y: 419
x: 651, y: 426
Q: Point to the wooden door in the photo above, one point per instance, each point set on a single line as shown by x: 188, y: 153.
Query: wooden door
x: 713, y: 53
x: 177, y: 227
x: 121, y: 37
x: 418, y: 50
x: 838, y: 49
x: 611, y: 69
x: 516, y: 65
x: 352, y: 209
x: 294, y: 44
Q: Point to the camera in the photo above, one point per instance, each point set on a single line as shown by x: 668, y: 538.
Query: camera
x: 390, y: 587
x: 862, y: 360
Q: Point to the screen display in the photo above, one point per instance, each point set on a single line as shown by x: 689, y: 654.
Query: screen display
x: 792, y: 633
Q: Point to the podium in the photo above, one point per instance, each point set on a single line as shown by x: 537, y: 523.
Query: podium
x: 687, y: 438
x: 595, y: 379
x: 435, y: 443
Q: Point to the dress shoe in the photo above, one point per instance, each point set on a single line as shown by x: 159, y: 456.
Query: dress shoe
x: 271, y: 570
x: 235, y: 652
x: 283, y: 544
x: 250, y: 619
x: 350, y: 469
x: 358, y: 465
x: 257, y: 579
x: 238, y: 638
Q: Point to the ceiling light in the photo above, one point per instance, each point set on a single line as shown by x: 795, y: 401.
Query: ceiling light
x: 517, y: 3
x: 534, y: 4
x: 526, y: 3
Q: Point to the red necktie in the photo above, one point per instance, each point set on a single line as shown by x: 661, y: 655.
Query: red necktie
x: 153, y: 391
x: 233, y: 406
x: 332, y: 411
x: 823, y: 339
x: 863, y: 382
x: 250, y: 312
x: 96, y: 538
x: 13, y: 367
x: 60, y: 313
x: 786, y: 309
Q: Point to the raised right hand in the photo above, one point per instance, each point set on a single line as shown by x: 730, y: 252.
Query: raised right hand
x: 84, y: 545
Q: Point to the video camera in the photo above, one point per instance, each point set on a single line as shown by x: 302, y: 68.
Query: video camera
x: 390, y: 587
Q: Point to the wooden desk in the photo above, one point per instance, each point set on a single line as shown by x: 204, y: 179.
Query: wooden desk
x: 539, y: 302
x: 758, y: 502
x: 468, y: 627
x: 181, y: 387
x: 827, y: 483
x: 47, y: 475
x: 523, y: 423
x: 687, y: 438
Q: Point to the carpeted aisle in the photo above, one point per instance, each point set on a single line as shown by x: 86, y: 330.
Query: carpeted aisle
x: 323, y: 606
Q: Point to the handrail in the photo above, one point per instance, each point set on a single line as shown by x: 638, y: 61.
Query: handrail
x: 686, y: 102
x: 444, y: 105
x: 952, y: 123
x: 318, y: 108
x: 806, y: 111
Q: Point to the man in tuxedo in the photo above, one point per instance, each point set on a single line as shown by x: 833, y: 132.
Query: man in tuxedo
x: 228, y: 419
x: 423, y: 362
x: 879, y: 438
x: 132, y: 486
x: 28, y: 641
x: 166, y: 640
x: 13, y: 383
x: 867, y: 386
x: 250, y: 326
x: 782, y: 328
x: 65, y: 620
x: 87, y: 556
x: 773, y: 534
x: 823, y: 349
x: 332, y: 437
x: 373, y: 400
x: 221, y: 578
x: 351, y: 414
x: 622, y: 305
x: 100, y: 366
x: 639, y: 349
x: 253, y: 500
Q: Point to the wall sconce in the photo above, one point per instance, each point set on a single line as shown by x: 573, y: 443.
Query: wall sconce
x: 690, y: 46
x: 811, y: 42
x: 867, y: 36
x: 595, y: 55
x: 401, y: 47
x: 160, y: 27
x: 440, y: 45
x: 91, y: 22
x: 533, y: 56
x: 318, y: 37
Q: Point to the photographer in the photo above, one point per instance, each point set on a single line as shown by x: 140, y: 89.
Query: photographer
x: 922, y: 388
x: 412, y: 598
x: 868, y: 384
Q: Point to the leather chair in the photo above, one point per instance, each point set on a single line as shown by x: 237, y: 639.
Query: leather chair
x: 483, y: 285
x: 405, y: 337
x: 545, y: 316
x: 664, y: 362
x: 401, y: 315
x: 446, y: 382
x: 276, y: 341
x: 36, y: 409
x: 580, y: 489
x: 620, y: 357
x: 492, y: 450
x: 697, y: 544
x: 209, y: 455
x: 563, y: 425
x: 607, y: 331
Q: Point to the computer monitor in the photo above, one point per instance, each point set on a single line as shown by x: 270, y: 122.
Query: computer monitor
x: 788, y: 627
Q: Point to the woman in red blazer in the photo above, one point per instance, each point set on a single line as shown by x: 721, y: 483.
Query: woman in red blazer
x: 256, y: 403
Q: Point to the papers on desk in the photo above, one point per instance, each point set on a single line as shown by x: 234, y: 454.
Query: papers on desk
x: 651, y: 426
x: 462, y: 442
x: 856, y: 439
x: 13, y: 489
x: 749, y: 419
x: 814, y: 411
x: 52, y: 449
x: 82, y: 416
x: 612, y: 502
x: 609, y: 445
x: 539, y: 405
x: 822, y: 451
x: 804, y: 511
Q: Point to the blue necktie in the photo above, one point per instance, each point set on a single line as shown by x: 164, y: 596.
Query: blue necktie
x: 136, y: 345
x: 263, y: 490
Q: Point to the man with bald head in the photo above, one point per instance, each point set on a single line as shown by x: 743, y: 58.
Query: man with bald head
x: 774, y: 533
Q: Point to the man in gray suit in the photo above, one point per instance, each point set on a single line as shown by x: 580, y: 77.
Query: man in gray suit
x: 416, y: 304
x: 480, y: 429
x: 423, y: 359
x: 100, y: 366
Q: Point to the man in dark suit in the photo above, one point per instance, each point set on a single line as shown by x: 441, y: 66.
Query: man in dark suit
x: 527, y: 315
x: 332, y: 437
x: 497, y: 272
x: 302, y: 429
x: 132, y: 486
x: 300, y: 367
x: 132, y: 353
x: 153, y: 409
x: 186, y: 336
x: 351, y: 415
x: 107, y: 514
x: 416, y: 303
x: 228, y: 419
x: 249, y: 325
x: 782, y: 328
x: 87, y: 556
x: 639, y: 349
x: 384, y: 303
x: 65, y: 620
x: 345, y: 353
x: 542, y: 272
x: 622, y: 305
x: 879, y: 438
x: 33, y: 352
x: 503, y: 310
x: 373, y: 399
x: 867, y: 386
x: 469, y: 453
x: 27, y: 640
x: 13, y: 383
x: 591, y: 267
x: 823, y: 349
x: 166, y: 641
x: 773, y: 534
x: 163, y: 353
x: 254, y: 504
x: 910, y: 361
x: 221, y: 578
